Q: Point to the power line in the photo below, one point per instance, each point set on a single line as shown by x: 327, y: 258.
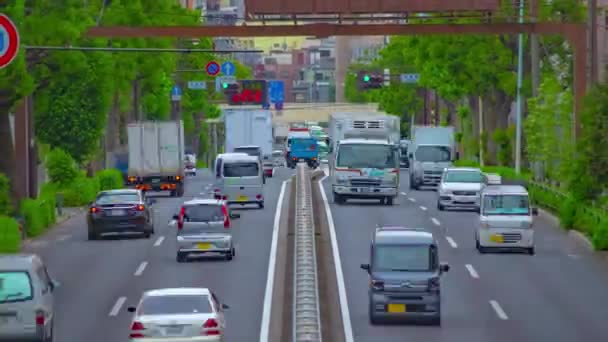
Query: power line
x: 111, y: 49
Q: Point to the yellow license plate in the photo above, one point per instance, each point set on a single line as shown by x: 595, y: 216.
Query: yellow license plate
x: 496, y: 238
x: 242, y: 198
x: 204, y: 246
x: 396, y: 308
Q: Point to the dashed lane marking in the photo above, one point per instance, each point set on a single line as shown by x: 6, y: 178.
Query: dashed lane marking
x: 423, y: 208
x: 499, y: 311
x: 435, y: 221
x: 159, y: 241
x: 412, y: 199
x: 117, y: 306
x: 404, y: 193
x: 472, y: 271
x: 451, y: 242
x: 140, y: 269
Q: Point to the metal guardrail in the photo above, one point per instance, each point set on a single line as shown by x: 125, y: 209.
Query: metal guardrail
x: 306, y: 315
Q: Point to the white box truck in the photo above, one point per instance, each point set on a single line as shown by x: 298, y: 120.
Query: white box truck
x: 250, y: 127
x: 365, y: 159
x: 431, y: 150
x: 156, y: 156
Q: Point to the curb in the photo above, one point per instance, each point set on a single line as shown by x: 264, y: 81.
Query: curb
x: 78, y: 211
x: 575, y: 235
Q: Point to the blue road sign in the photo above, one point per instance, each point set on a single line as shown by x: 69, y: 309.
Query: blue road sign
x: 176, y: 93
x: 228, y: 68
x: 410, y: 78
x: 276, y: 88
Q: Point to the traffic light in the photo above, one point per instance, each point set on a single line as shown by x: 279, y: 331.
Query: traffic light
x: 231, y: 91
x: 370, y: 80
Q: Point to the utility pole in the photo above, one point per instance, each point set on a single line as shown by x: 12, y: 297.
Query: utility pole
x: 592, y: 15
x: 520, y: 76
x: 535, y: 71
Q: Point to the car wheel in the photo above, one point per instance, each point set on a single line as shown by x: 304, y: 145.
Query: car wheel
x: 373, y: 319
x: 173, y: 193
x: 531, y: 251
x: 436, y: 321
x: 389, y: 201
x: 92, y: 236
x: 440, y: 207
x: 230, y: 255
x: 180, y: 257
x: 50, y: 337
x: 261, y: 205
x: 147, y: 235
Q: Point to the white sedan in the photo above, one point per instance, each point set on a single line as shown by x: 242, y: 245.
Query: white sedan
x: 178, y: 315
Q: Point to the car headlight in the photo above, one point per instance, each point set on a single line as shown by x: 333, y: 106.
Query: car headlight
x: 443, y: 191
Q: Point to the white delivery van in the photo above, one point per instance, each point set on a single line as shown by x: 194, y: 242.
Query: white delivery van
x: 505, y: 219
x: 242, y: 180
x: 217, y: 167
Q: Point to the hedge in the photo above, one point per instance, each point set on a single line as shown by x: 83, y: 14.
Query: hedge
x: 110, y: 179
x: 10, y: 237
x: 5, y: 195
x: 583, y: 217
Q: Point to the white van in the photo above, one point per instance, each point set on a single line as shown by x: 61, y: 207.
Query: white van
x: 217, y: 166
x: 242, y: 180
x: 505, y: 219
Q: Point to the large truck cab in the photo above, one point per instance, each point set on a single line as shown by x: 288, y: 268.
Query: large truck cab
x: 432, y: 150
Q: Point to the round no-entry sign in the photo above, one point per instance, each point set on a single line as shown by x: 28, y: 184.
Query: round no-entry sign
x: 9, y: 41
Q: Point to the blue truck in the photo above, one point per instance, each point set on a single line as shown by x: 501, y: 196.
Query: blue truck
x: 304, y: 149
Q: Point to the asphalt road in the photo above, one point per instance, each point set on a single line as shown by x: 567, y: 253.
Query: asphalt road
x: 100, y: 279
x: 558, y: 295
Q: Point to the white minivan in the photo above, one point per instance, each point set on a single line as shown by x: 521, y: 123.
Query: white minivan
x: 242, y: 180
x: 218, y: 165
x: 505, y: 219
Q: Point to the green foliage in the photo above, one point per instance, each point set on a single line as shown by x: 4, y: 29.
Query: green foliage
x: 10, y: 237
x: 5, y: 196
x: 504, y: 140
x: 110, y: 179
x: 80, y: 192
x: 61, y: 168
x: 35, y: 213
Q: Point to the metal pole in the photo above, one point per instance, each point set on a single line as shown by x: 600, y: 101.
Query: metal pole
x: 520, y: 74
x: 593, y: 65
x: 481, y: 156
x: 112, y: 49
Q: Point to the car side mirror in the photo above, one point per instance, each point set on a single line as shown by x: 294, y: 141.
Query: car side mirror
x: 175, y: 217
x: 365, y: 267
x: 444, y: 267
x: 535, y: 211
x: 54, y: 284
x: 235, y: 216
x: 225, y: 307
x: 131, y: 309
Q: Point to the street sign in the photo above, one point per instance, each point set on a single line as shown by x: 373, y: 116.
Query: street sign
x: 387, y: 77
x: 252, y: 92
x: 176, y: 93
x: 9, y: 41
x: 276, y: 88
x: 228, y: 68
x: 212, y: 68
x: 410, y: 78
x: 197, y: 85
x: 227, y: 79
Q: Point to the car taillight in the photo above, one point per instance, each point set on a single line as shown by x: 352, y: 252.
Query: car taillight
x: 210, y: 328
x: 378, y: 285
x: 40, y: 318
x: 94, y: 210
x: 136, y: 327
x: 224, y: 197
x: 258, y: 197
x: 178, y: 177
x: 226, y: 216
x: 434, y: 284
x: 140, y: 207
x: 180, y: 218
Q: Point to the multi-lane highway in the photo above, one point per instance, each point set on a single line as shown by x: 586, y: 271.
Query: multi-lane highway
x: 100, y: 279
x: 557, y: 295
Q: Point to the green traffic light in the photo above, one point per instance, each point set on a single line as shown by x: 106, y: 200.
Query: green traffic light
x: 366, y: 78
x: 225, y: 85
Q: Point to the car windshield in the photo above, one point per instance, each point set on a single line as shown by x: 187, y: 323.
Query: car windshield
x: 433, y: 154
x: 252, y: 151
x: 175, y: 305
x: 244, y: 169
x: 118, y: 198
x: 366, y: 156
x: 15, y: 286
x: 203, y: 213
x: 506, y: 205
x: 402, y: 258
x: 463, y: 177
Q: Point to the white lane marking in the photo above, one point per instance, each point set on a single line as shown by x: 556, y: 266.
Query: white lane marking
x: 159, y: 241
x: 64, y: 237
x: 435, y: 221
x: 451, y: 242
x: 423, y: 208
x: 37, y: 243
x: 116, y: 308
x: 574, y: 256
x: 412, y: 199
x: 472, y: 271
x: 404, y: 193
x: 272, y: 260
x: 499, y: 311
x: 348, y: 330
x: 140, y: 269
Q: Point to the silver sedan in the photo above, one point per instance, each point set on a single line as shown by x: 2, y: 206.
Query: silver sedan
x: 178, y: 315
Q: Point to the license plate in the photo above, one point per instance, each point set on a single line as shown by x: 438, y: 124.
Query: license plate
x: 155, y: 181
x: 118, y: 212
x: 173, y: 330
x: 203, y: 246
x: 464, y: 200
x: 242, y: 198
x: 366, y: 190
x: 396, y: 308
x: 496, y: 238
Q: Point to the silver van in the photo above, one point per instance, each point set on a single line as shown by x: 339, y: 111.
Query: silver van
x: 204, y: 227
x: 505, y: 219
x: 242, y: 181
x: 26, y: 299
x: 218, y: 172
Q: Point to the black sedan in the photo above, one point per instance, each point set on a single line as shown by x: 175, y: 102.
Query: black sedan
x: 118, y: 212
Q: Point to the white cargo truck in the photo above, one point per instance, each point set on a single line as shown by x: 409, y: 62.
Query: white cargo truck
x: 156, y: 156
x: 365, y: 158
x: 431, y: 150
x: 250, y: 126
